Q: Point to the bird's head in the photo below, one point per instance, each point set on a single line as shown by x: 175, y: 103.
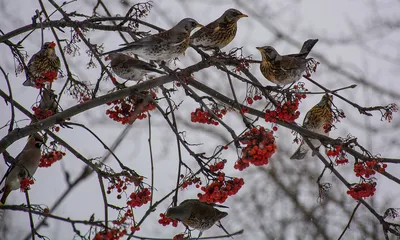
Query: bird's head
x: 326, y: 100
x: 178, y: 213
x: 36, y: 140
x: 187, y: 25
x: 48, y: 47
x: 268, y: 53
x: 232, y: 15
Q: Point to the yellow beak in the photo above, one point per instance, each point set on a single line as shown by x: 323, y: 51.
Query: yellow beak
x: 199, y: 25
x: 259, y: 48
x: 242, y: 15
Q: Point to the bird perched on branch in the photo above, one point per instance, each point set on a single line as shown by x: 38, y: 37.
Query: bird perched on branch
x: 219, y: 33
x: 165, y: 45
x: 196, y: 214
x: 43, y: 66
x: 24, y: 166
x: 318, y: 119
x: 285, y: 69
x: 129, y: 68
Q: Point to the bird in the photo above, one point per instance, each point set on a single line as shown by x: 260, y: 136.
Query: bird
x: 317, y: 120
x: 42, y: 65
x: 196, y: 214
x: 25, y: 165
x: 129, y: 68
x: 162, y: 46
x: 286, y: 69
x: 219, y: 33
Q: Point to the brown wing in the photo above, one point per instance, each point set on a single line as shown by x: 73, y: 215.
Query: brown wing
x: 288, y: 62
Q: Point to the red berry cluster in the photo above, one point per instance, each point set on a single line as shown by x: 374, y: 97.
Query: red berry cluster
x: 110, y: 234
x: 42, y: 113
x: 49, y: 158
x: 202, y: 116
x: 250, y: 100
x: 362, y: 190
x: 220, y: 189
x: 123, y: 110
x: 122, y: 183
x: 47, y: 77
x: 25, y: 184
x: 286, y: 112
x: 139, y: 198
x: 338, y: 154
x: 190, y: 181
x: 121, y: 222
x: 179, y: 237
x: 311, y: 67
x: 242, y: 65
x: 165, y: 221
x: 218, y: 166
x: 260, y: 146
x: 368, y: 168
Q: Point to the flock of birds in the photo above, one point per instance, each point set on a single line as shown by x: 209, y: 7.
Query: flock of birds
x: 167, y: 45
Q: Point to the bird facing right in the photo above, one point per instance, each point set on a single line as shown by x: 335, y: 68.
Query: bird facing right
x: 162, y: 46
x: 45, y: 62
x: 317, y: 119
x: 25, y: 165
x: 196, y: 214
x: 286, y: 69
x: 219, y: 33
x: 129, y: 68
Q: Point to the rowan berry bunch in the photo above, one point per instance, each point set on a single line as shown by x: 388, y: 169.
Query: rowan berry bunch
x: 110, y: 234
x: 121, y: 183
x: 72, y: 48
x: 253, y: 94
x: 49, y: 158
x: 140, y: 197
x: 41, y: 114
x: 368, y: 168
x: 130, y: 108
x: 243, y: 64
x: 286, y: 111
x: 218, y: 166
x: 362, y: 190
x: 259, y: 147
x: 180, y: 236
x: 25, y: 184
x: 165, y: 221
x: 51, y: 154
x: 190, y: 181
x: 79, y: 91
x: 47, y: 77
x: 337, y: 154
x: 220, y: 189
x: 125, y: 220
x: 201, y: 116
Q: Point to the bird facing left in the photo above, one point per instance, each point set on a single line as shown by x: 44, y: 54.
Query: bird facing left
x: 25, y: 165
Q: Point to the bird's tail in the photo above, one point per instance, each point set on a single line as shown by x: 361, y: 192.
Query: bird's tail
x: 307, y: 46
x: 28, y: 83
x: 300, y: 152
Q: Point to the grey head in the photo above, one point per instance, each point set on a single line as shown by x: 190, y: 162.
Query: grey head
x: 231, y: 15
x: 269, y: 53
x: 186, y: 25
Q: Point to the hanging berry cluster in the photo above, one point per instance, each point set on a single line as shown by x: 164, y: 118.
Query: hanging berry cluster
x: 47, y: 77
x: 368, y: 168
x: 362, y: 190
x: 51, y: 157
x: 201, y: 116
x: 190, y: 181
x: 25, y: 184
x: 165, y: 221
x: 41, y: 114
x: 139, y: 197
x: 286, y: 111
x: 220, y: 189
x: 259, y: 147
x: 127, y: 109
x: 336, y: 152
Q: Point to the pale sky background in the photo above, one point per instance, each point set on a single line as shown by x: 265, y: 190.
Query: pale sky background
x: 350, y: 35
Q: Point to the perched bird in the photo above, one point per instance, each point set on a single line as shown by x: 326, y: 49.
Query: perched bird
x: 129, y: 68
x: 285, y: 69
x: 25, y: 165
x: 42, y: 66
x: 165, y: 45
x: 219, y: 33
x: 317, y: 119
x: 196, y: 214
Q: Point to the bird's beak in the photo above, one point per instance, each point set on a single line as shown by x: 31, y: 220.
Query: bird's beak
x: 259, y: 48
x: 199, y: 25
x: 242, y: 15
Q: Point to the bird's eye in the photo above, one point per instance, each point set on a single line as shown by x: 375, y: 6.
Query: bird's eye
x: 235, y: 14
x: 194, y: 24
